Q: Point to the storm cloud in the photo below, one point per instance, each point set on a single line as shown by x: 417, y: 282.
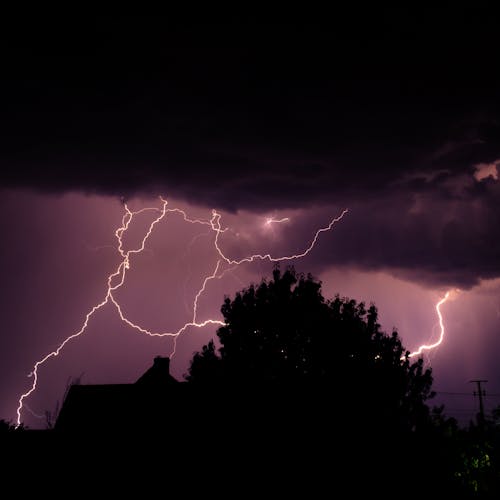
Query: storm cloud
x: 388, y: 115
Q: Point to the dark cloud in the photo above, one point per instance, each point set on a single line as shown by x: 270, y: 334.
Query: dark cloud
x: 387, y: 113
x: 241, y: 114
x: 444, y: 237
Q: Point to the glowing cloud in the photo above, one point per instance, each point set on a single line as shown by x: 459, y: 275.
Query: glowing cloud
x: 485, y: 170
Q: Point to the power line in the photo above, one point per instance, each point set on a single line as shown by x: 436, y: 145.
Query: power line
x: 453, y: 393
x: 489, y: 395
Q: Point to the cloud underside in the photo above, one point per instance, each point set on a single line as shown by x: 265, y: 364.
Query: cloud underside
x: 421, y: 213
x: 399, y: 129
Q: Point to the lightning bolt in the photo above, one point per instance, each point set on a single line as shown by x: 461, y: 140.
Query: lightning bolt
x: 117, y: 279
x: 272, y: 220
x: 215, y: 222
x: 441, y: 327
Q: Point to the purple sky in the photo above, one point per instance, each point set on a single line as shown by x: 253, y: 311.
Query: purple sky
x: 256, y: 121
x: 61, y: 250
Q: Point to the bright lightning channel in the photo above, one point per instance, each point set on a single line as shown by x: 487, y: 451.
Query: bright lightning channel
x: 117, y: 278
x: 427, y: 347
x: 272, y: 220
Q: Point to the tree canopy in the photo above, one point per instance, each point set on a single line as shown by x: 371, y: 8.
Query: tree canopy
x: 283, y: 332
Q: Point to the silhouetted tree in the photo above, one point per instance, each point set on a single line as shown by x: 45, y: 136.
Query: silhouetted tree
x: 348, y: 387
x: 283, y: 332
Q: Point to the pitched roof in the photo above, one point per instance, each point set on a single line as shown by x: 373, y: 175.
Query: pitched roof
x: 122, y: 406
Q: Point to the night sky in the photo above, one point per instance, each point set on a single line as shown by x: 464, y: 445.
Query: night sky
x: 394, y: 115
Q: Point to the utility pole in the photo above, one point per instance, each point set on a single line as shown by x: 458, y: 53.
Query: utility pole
x: 480, y: 392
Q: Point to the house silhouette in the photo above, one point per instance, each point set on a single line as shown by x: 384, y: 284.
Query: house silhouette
x: 152, y: 402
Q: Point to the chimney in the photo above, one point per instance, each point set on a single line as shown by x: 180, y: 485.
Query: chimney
x: 161, y: 364
x: 158, y: 374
